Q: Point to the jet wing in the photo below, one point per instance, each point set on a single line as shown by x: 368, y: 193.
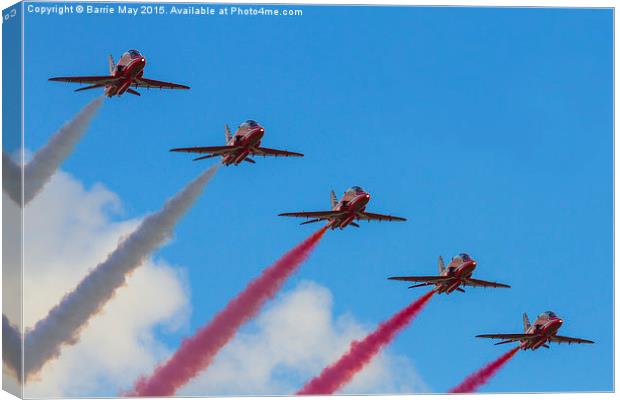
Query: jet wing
x: 264, y: 151
x: 365, y: 216
x: 313, y: 214
x: 217, y: 150
x: 431, y: 279
x: 569, y: 340
x: 152, y: 83
x: 102, y: 80
x: 509, y: 336
x: 95, y: 86
x: 480, y: 283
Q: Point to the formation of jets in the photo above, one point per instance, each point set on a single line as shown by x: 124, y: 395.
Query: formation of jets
x: 351, y: 208
x: 458, y: 273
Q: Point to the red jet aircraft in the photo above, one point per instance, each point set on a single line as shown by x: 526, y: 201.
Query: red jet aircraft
x: 128, y: 72
x: 458, y: 273
x: 245, y: 142
x: 351, y: 207
x: 544, y: 330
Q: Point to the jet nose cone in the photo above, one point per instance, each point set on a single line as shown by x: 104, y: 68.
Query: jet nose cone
x: 468, y: 266
x: 256, y: 133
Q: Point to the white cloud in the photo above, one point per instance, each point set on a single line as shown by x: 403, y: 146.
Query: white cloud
x: 292, y: 341
x: 69, y: 229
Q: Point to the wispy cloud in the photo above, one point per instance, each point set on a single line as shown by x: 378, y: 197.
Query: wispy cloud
x: 122, y: 340
x: 11, y: 346
x: 63, y: 323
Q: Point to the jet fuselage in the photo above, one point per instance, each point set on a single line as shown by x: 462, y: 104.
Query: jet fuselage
x: 457, y: 269
x: 246, y: 139
x: 351, y: 204
x: 128, y: 70
x: 544, y: 329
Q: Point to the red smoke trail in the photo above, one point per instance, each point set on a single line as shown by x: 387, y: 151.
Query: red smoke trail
x: 197, y: 352
x: 480, y: 377
x: 361, y: 353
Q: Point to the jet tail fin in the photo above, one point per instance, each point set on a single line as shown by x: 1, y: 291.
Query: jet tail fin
x: 442, y: 266
x: 111, y: 64
x: 526, y: 322
x: 333, y: 199
x: 227, y: 133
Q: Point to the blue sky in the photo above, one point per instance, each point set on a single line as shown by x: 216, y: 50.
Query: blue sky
x: 490, y: 129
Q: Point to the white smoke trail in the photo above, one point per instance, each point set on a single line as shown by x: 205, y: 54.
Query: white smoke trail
x: 47, y: 160
x: 11, y: 347
x: 65, y: 321
x: 11, y: 178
